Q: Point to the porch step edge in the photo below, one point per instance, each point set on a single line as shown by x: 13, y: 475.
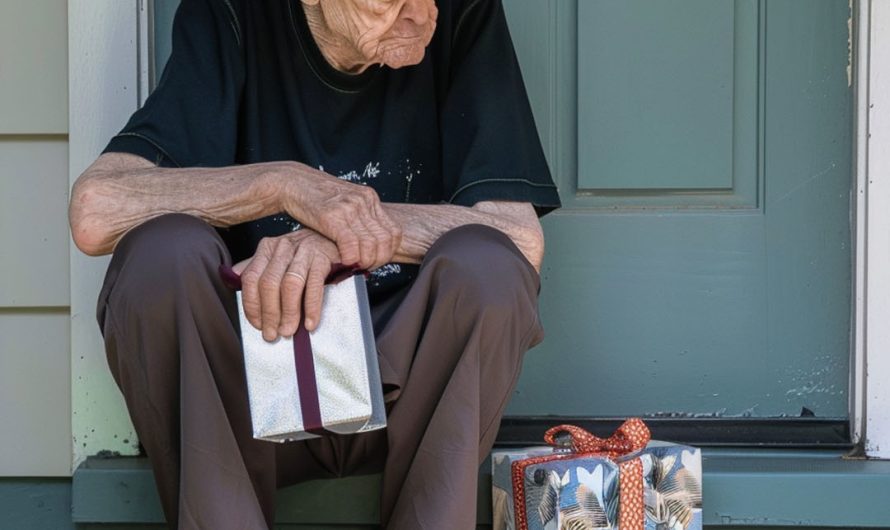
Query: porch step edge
x: 741, y: 488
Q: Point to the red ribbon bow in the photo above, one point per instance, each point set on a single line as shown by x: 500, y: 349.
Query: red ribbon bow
x: 632, y: 436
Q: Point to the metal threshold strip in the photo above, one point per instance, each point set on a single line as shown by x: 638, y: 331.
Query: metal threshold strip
x: 786, y: 433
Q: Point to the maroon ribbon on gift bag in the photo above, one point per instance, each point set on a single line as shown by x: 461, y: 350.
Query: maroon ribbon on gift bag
x: 304, y: 362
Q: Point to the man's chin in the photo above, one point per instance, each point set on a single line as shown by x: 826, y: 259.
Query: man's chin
x: 403, y: 56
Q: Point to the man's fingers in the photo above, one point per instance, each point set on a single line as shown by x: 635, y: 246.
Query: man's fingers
x: 313, y: 297
x: 353, y: 217
x: 368, y: 246
x: 387, y: 235
x: 285, y: 280
x: 292, y: 288
x: 270, y: 288
x: 239, y: 267
x: 250, y: 294
x: 383, y: 241
x: 348, y: 245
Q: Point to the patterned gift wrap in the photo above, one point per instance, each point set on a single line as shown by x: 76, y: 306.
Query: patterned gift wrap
x: 624, y: 482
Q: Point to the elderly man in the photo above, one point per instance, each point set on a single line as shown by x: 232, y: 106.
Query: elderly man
x: 287, y: 135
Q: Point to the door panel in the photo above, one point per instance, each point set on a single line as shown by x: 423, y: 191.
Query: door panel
x: 668, y: 95
x: 701, y: 265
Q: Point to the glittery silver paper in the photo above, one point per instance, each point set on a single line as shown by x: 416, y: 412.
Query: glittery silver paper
x: 346, y: 371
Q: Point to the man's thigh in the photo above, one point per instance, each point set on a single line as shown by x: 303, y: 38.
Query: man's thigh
x: 481, y: 255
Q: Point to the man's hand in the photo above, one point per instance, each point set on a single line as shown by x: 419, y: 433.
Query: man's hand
x: 285, y: 276
x: 348, y: 214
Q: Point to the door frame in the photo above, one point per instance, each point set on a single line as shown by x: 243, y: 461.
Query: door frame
x: 109, y: 77
x: 870, y: 367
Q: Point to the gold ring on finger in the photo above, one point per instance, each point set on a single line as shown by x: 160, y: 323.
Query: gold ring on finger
x: 298, y: 275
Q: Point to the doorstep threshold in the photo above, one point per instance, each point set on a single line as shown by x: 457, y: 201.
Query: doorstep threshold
x: 742, y: 487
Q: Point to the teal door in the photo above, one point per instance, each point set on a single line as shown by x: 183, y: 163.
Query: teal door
x: 701, y: 264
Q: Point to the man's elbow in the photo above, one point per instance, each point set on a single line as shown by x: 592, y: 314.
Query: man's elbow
x: 88, y: 241
x: 87, y: 229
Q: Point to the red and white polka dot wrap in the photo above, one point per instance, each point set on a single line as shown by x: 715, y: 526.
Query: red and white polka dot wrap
x: 632, y: 436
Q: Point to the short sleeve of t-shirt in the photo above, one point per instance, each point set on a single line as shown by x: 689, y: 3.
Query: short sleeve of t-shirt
x: 190, y: 120
x: 490, y: 145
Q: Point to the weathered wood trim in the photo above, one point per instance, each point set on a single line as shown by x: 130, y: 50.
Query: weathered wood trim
x: 102, y: 91
x: 873, y: 219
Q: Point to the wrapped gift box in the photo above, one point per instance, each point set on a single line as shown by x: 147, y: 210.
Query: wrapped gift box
x: 324, y: 381
x: 625, y: 482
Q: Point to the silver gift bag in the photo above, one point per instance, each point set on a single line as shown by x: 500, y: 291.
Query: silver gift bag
x: 324, y: 381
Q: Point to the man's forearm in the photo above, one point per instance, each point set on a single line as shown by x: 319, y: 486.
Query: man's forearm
x: 120, y: 192
x: 423, y: 224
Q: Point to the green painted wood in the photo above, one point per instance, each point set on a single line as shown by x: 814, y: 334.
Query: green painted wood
x: 368, y: 527
x: 35, y: 504
x: 718, y: 304
x: 122, y: 490
x: 656, y: 90
x: 43, y: 504
x: 333, y: 527
x: 755, y: 490
x: 115, y: 490
x: 742, y: 488
x: 719, y: 301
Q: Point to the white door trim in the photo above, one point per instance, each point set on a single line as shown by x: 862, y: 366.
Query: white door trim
x: 857, y: 361
x: 871, y: 418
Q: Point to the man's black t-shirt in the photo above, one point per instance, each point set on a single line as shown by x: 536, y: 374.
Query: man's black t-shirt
x: 246, y: 83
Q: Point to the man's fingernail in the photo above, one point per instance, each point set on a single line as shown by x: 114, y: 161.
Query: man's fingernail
x: 310, y: 324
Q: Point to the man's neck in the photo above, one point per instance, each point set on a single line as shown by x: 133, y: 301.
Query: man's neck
x: 338, y: 51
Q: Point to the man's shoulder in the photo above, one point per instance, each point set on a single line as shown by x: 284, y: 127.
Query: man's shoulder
x: 465, y: 14
x: 198, y: 14
x: 461, y: 7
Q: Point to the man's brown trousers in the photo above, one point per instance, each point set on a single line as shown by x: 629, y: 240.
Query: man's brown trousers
x: 450, y: 348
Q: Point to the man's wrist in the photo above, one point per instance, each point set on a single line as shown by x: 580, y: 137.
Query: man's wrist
x: 280, y: 183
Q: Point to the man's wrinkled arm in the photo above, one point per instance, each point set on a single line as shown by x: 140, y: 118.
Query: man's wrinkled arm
x: 423, y: 224
x: 121, y: 191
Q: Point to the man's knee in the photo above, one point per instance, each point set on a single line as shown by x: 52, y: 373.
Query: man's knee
x: 486, y: 271
x: 169, y: 239
x: 170, y: 253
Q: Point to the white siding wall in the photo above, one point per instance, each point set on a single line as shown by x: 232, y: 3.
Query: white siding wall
x: 33, y: 67
x: 35, y: 402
